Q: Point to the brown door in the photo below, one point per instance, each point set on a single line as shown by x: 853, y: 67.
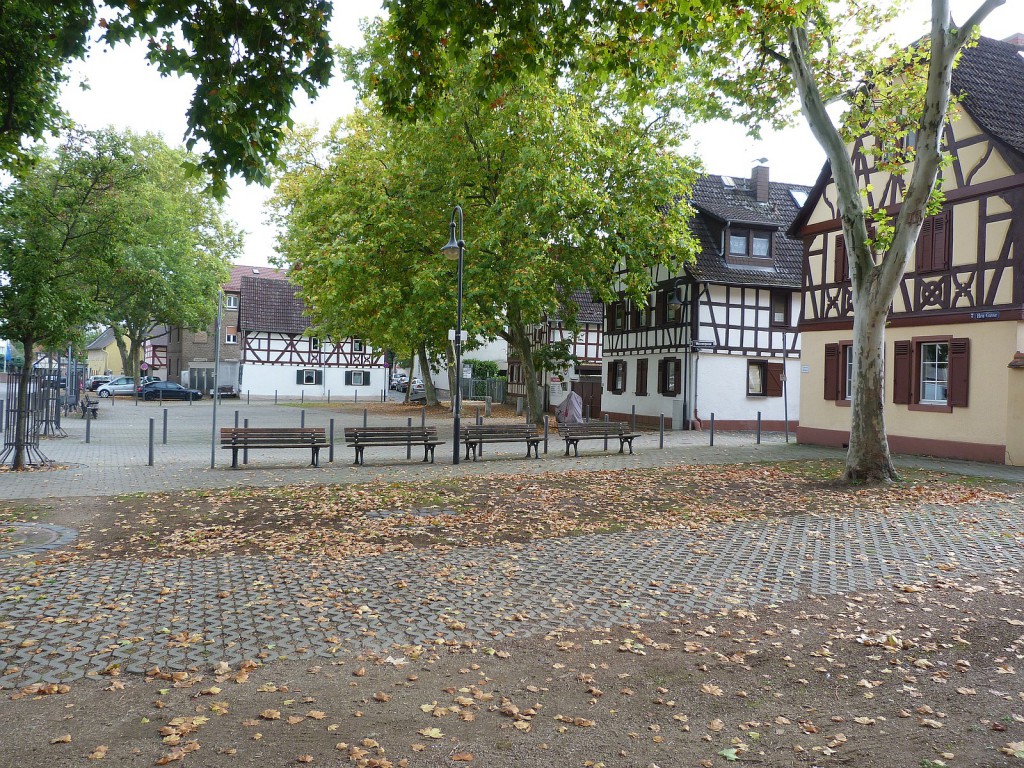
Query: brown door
x: 590, y: 393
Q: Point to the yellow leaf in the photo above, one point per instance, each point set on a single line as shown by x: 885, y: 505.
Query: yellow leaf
x: 711, y: 689
x: 431, y: 733
x: 65, y: 739
x: 270, y: 714
x: 462, y: 757
x: 99, y: 753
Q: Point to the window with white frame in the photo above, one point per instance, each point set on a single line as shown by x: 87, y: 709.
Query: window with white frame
x: 230, y: 301
x: 309, y: 376
x: 357, y: 345
x: 357, y: 378
x: 934, y: 373
x: 230, y: 335
x: 314, y: 343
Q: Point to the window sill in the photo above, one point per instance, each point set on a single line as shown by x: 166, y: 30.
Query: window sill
x: 844, y: 403
x: 930, y: 408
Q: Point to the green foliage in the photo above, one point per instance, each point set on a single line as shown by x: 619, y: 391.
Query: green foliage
x: 248, y: 59
x: 482, y: 369
x: 37, y: 38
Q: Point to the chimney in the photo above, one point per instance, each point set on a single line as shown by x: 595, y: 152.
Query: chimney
x: 759, y: 181
x: 1016, y: 40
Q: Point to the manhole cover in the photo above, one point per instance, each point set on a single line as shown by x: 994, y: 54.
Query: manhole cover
x: 27, y: 538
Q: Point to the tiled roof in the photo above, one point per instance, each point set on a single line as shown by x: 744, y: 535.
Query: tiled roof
x: 238, y: 271
x: 269, y: 304
x: 990, y: 77
x: 589, y: 309
x: 103, y: 340
x: 718, y: 200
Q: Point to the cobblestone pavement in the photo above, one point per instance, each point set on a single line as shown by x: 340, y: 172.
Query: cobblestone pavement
x: 58, y: 623
x: 61, y: 622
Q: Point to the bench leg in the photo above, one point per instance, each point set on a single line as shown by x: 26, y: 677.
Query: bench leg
x: 630, y: 441
x: 234, y: 458
x: 622, y: 444
x: 431, y: 449
x: 359, y: 456
x: 566, y: 447
x: 467, y: 452
x: 316, y: 456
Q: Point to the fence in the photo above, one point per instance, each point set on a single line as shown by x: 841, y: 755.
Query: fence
x: 478, y: 389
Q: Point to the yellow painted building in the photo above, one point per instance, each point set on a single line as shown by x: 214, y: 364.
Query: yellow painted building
x: 954, y: 380
x: 103, y: 355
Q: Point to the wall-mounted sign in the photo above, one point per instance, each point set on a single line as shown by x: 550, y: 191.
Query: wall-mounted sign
x: 700, y: 344
x: 990, y: 315
x: 805, y: 369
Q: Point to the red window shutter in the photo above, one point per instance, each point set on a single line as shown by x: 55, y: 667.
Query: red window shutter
x: 842, y: 262
x: 902, y: 372
x: 773, y: 379
x: 677, y: 364
x: 832, y: 369
x: 923, y: 254
x: 959, y: 371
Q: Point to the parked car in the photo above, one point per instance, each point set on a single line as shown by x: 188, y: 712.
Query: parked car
x: 416, y: 383
x: 55, y: 382
x: 95, y: 382
x: 398, y: 378
x: 169, y: 390
x: 229, y: 390
x: 122, y: 385
x: 144, y: 380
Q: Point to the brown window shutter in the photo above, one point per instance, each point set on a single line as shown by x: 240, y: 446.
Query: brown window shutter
x: 634, y: 316
x: 610, y: 384
x: 842, y: 262
x: 923, y: 253
x: 773, y: 379
x: 902, y: 372
x: 660, y: 309
x: 959, y: 371
x: 940, y: 240
x: 661, y: 377
x: 677, y: 364
x: 833, y: 364
x: 641, y: 377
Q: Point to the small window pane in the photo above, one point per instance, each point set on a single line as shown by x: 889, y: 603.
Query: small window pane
x: 738, y: 243
x: 848, y: 366
x: 357, y: 378
x: 934, y: 373
x: 755, y: 379
x: 761, y: 243
x: 309, y: 377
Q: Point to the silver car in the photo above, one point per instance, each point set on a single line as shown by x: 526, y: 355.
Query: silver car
x: 122, y: 385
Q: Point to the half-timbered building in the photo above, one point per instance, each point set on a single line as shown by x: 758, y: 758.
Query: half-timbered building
x: 720, y: 337
x: 954, y: 385
x: 583, y: 373
x: 278, y: 354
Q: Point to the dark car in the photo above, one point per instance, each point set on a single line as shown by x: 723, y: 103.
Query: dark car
x: 169, y: 390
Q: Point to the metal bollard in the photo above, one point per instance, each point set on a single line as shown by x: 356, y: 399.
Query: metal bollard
x: 165, y: 425
x: 487, y: 407
x: 423, y: 416
x: 152, y: 428
x: 408, y: 445
x: 366, y: 415
x: 236, y: 419
x: 547, y: 419
x: 712, y: 429
x: 302, y: 397
x: 478, y: 422
x: 275, y: 397
x: 606, y: 433
x: 245, y: 451
x: 3, y: 416
x: 758, y: 427
x: 330, y: 446
x: 356, y: 398
x: 247, y: 396
x: 328, y: 397
x: 88, y: 424
x: 632, y: 419
x: 661, y: 431
x: 302, y: 417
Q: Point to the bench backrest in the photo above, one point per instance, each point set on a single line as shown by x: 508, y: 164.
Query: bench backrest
x: 410, y: 433
x: 594, y: 428
x: 472, y: 431
x: 244, y: 434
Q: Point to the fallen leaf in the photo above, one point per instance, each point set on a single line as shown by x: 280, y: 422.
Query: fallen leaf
x: 99, y: 753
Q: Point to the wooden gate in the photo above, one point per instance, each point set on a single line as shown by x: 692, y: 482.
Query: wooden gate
x: 590, y: 393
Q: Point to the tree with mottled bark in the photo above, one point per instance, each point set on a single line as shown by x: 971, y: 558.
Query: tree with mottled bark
x: 744, y: 60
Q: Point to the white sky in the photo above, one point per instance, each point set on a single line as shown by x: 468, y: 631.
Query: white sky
x: 126, y: 92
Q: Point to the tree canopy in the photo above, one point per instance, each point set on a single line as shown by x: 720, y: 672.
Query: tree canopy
x: 559, y: 192
x: 247, y: 58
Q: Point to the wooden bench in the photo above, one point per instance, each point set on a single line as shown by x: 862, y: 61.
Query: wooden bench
x: 597, y: 430
x: 90, y: 408
x: 475, y: 435
x: 239, y: 439
x: 361, y: 437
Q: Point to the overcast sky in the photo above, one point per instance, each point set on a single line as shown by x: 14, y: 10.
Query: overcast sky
x: 124, y: 91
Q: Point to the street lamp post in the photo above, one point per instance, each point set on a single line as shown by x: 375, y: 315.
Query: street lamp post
x: 455, y: 249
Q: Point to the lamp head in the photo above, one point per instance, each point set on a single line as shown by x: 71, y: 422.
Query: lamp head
x: 676, y: 301
x: 451, y: 250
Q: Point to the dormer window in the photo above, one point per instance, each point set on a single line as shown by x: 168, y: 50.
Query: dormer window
x: 749, y: 246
